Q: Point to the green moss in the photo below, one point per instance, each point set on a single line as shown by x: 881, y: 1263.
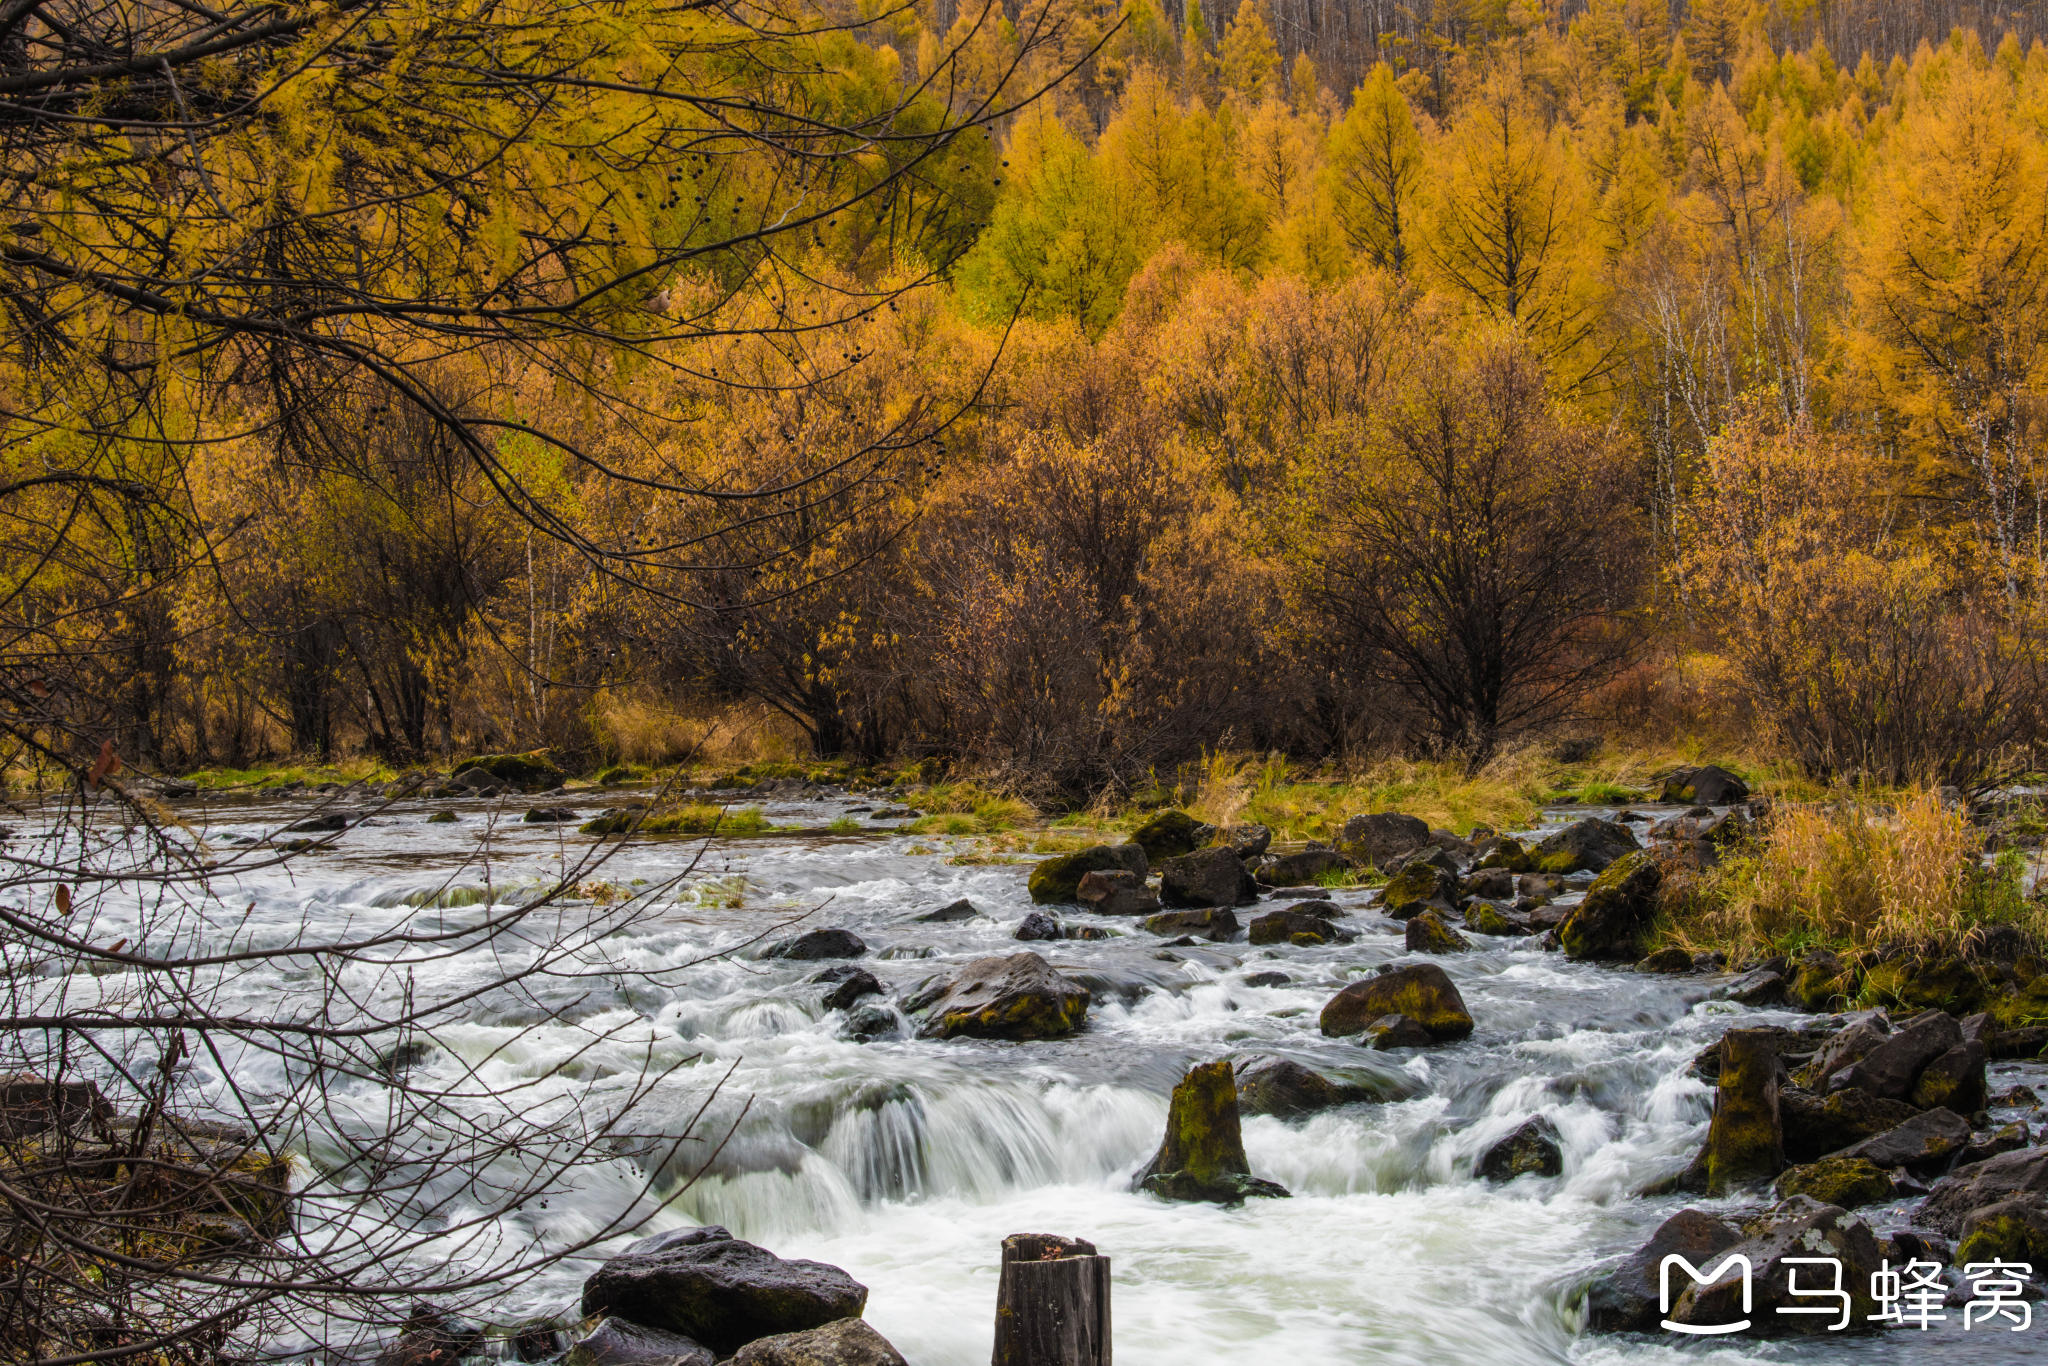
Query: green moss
x: 443, y: 818
x: 1849, y: 1182
x: 1171, y: 834
x: 1745, y: 1143
x: 1056, y: 880
x: 1563, y: 861
x: 1510, y: 854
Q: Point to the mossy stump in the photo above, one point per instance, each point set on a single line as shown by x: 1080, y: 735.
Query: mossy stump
x: 1202, y: 1156
x: 1746, y: 1140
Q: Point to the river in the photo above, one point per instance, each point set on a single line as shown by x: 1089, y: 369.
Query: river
x: 907, y: 1161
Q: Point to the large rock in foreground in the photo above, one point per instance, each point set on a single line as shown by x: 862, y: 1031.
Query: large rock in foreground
x: 1207, y: 877
x: 1202, y: 1157
x: 1891, y: 1066
x: 1707, y: 785
x: 1018, y: 997
x: 1625, y: 1300
x: 849, y: 1342
x: 1619, y: 905
x: 715, y: 1289
x: 1796, y: 1231
x: 1423, y: 992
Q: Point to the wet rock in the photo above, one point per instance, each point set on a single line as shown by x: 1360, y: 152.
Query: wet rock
x: 1617, y: 908
x: 1300, y: 869
x: 531, y: 772
x: 1586, y: 845
x: 1982, y: 1184
x: 1171, y: 834
x: 1421, y: 991
x: 1483, y: 917
x: 2013, y: 1230
x: 1707, y: 785
x: 477, y: 782
x: 1490, y: 884
x: 1889, y: 1069
x: 1790, y: 1044
x: 721, y: 1292
x: 2020, y: 1097
x: 1510, y: 856
x: 1627, y: 1298
x: 1267, y: 979
x: 849, y: 1342
x: 1540, y: 884
x: 1389, y: 1032
x: 1535, y: 1149
x: 1202, y: 1156
x: 1249, y: 840
x: 1117, y: 892
x: 548, y: 815
x: 848, y: 984
x: 1427, y: 933
x: 1760, y: 987
x: 1057, y: 881
x: 1417, y: 888
x: 432, y: 1337
x: 1922, y: 1141
x: 866, y: 1024
x: 1800, y: 1227
x: 1666, y: 961
x: 1429, y: 856
x: 2009, y: 1139
x: 1286, y: 1089
x: 320, y: 825
x: 443, y: 818
x: 1018, y: 997
x: 1086, y: 932
x: 1815, y: 1127
x: 1210, y: 877
x: 1373, y: 840
x: 1746, y: 1138
x: 1215, y: 923
x: 1843, y: 1050
x: 1849, y: 1182
x: 1282, y: 927
x: 962, y: 909
x: 1037, y: 925
x: 1954, y: 1081
x: 812, y: 945
x: 621, y: 1342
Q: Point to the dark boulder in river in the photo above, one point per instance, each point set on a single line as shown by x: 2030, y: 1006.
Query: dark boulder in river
x: 1018, y: 997
x: 1171, y: 834
x: 621, y: 1342
x: 1423, y: 992
x: 815, y: 944
x: 1210, y: 877
x: 713, y: 1288
x: 1057, y: 881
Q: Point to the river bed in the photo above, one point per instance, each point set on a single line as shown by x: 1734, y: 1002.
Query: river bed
x: 907, y: 1161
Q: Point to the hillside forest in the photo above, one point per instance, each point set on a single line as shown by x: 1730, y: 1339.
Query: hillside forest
x: 1061, y: 393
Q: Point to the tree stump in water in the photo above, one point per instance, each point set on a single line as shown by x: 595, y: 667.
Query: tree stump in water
x: 1052, y: 1307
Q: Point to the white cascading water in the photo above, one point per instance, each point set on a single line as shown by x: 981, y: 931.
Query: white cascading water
x: 908, y: 1161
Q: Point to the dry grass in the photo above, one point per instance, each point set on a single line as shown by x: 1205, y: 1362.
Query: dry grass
x: 640, y: 728
x: 1851, y: 873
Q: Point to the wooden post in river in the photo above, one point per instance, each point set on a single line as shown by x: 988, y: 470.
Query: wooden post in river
x: 1052, y: 1307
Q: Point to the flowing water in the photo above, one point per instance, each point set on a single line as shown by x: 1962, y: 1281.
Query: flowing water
x: 907, y: 1161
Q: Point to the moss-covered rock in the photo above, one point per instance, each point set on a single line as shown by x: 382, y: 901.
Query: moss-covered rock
x: 1814, y: 1127
x: 1418, y: 886
x: 529, y: 772
x: 1618, y: 907
x: 1057, y: 881
x: 1746, y: 1138
x: 2014, y: 1230
x: 1708, y: 785
x: 1018, y: 997
x: 1849, y: 1182
x: 1288, y: 926
x: 443, y: 818
x: 1534, y: 1149
x: 1821, y: 982
x: 1953, y: 1081
x: 1215, y: 923
x: 1588, y: 844
x: 1202, y: 1156
x: 1483, y: 917
x: 1427, y: 934
x: 1510, y: 854
x: 1171, y: 834
x: 1671, y: 960
x: 1423, y: 992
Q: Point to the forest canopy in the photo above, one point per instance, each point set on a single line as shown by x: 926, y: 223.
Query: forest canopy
x: 1062, y: 390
